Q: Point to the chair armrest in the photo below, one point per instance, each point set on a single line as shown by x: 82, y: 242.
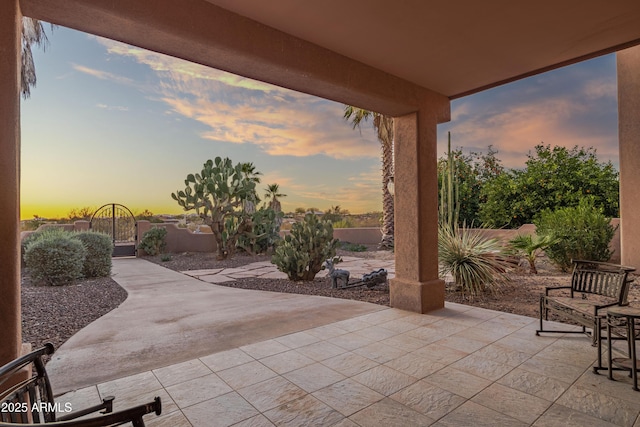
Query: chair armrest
x: 133, y: 415
x: 106, y: 407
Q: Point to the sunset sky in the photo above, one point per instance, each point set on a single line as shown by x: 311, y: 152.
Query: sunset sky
x: 109, y: 123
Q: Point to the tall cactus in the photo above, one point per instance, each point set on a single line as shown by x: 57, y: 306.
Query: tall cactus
x: 449, y: 200
x: 217, y: 194
x: 302, y: 252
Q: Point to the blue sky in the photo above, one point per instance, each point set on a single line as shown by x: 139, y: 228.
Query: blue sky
x: 109, y: 123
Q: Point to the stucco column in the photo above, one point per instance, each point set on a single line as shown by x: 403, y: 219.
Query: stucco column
x: 10, y: 324
x: 416, y: 286
x: 629, y: 141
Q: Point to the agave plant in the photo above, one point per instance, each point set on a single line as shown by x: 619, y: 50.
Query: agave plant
x: 476, y: 263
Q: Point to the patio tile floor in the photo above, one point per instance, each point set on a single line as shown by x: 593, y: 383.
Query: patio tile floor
x: 457, y: 366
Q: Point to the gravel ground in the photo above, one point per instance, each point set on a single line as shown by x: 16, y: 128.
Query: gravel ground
x: 53, y: 314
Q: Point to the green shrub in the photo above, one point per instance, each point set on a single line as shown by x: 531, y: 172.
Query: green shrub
x: 302, y: 252
x: 56, y: 258
x: 476, y: 263
x: 36, y: 235
x: 165, y: 258
x: 580, y: 232
x: 154, y: 241
x: 343, y: 223
x: 353, y: 247
x: 99, y: 248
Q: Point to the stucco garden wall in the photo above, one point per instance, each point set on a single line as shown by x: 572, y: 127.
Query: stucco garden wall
x: 185, y: 240
x: 181, y: 239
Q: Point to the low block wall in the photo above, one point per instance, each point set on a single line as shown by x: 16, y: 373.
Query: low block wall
x: 181, y: 239
x: 362, y: 236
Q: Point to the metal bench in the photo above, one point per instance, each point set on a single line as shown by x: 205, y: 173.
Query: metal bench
x: 594, y: 287
x: 26, y: 398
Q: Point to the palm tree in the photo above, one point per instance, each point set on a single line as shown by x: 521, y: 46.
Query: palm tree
x: 249, y: 171
x: 384, y: 129
x: 32, y: 34
x: 272, y: 192
x: 530, y: 247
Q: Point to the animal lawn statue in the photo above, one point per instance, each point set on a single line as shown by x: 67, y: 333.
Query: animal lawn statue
x: 337, y: 275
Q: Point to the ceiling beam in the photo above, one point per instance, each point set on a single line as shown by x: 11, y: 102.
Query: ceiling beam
x: 201, y: 32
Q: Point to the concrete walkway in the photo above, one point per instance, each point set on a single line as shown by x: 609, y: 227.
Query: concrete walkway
x: 169, y: 318
x: 265, y: 270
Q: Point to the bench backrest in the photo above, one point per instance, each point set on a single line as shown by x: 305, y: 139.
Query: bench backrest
x: 601, y: 278
x: 29, y: 400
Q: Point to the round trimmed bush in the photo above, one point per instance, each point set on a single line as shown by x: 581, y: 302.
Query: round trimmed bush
x: 99, y: 250
x: 37, y: 235
x: 55, y: 258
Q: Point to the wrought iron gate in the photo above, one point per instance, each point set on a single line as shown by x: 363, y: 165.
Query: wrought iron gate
x: 118, y: 222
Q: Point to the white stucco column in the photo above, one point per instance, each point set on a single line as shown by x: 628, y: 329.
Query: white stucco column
x: 10, y: 323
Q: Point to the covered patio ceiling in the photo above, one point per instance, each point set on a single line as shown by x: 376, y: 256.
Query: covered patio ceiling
x: 404, y: 50
x: 454, y: 47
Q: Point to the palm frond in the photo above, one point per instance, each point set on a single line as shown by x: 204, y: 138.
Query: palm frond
x: 33, y: 34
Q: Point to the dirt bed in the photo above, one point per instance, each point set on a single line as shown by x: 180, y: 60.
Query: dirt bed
x: 56, y: 313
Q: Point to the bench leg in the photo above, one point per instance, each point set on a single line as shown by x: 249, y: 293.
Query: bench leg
x: 541, y: 314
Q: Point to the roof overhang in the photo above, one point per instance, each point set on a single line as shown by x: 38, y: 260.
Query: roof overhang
x: 383, y: 55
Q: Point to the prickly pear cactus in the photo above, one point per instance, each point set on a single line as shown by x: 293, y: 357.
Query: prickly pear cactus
x: 302, y: 252
x: 218, y: 194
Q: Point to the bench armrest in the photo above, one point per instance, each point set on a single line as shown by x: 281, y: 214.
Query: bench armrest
x: 601, y: 306
x: 554, y: 288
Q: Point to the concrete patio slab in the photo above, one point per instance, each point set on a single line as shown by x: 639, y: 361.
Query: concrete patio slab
x: 457, y: 366
x: 169, y: 318
x: 332, y: 375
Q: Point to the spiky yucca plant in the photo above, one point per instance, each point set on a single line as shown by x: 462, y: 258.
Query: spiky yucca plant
x: 476, y: 263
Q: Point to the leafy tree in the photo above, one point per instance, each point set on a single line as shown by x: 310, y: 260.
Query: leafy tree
x: 334, y: 214
x: 470, y: 173
x: 500, y: 194
x: 384, y: 129
x: 553, y: 178
x: 218, y: 195
x: 146, y: 215
x: 84, y: 213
